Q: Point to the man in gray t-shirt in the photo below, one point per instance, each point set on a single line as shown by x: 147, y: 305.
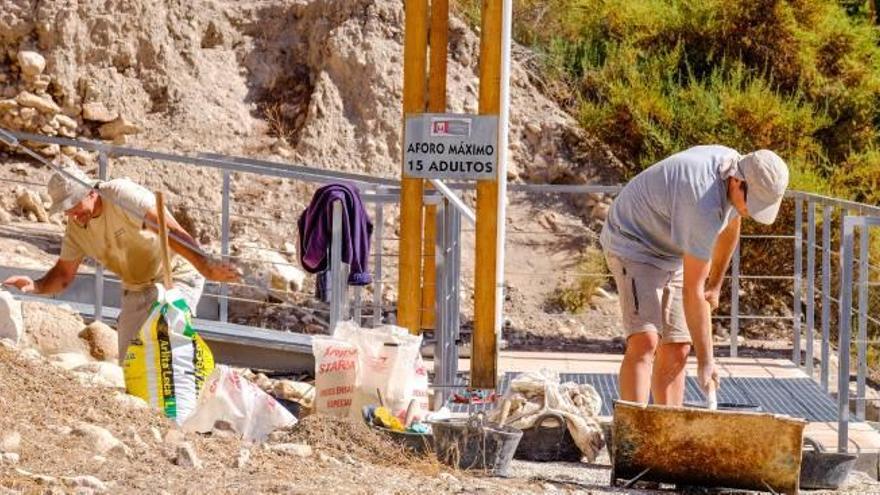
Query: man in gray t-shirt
x: 668, y: 240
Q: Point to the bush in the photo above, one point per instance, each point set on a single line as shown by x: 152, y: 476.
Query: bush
x: 592, y: 274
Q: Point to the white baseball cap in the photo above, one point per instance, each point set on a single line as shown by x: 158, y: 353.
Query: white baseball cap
x: 766, y: 177
x: 68, y: 188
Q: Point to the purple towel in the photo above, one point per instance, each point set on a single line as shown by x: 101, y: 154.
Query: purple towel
x: 315, y: 226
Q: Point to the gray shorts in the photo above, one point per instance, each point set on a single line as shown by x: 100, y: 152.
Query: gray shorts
x: 650, y: 299
x: 136, y: 307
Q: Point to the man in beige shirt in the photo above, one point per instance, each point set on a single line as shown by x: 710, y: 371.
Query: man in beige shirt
x: 112, y: 222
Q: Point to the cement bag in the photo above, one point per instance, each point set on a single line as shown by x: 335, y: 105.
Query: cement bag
x: 387, y: 360
x: 420, y: 385
x: 336, y: 375
x: 168, y: 362
x: 229, y: 398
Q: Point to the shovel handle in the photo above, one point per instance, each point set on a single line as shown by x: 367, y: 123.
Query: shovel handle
x: 163, y: 240
x: 712, y: 397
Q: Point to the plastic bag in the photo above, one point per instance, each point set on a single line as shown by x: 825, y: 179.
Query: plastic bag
x: 229, y: 398
x: 168, y: 362
x: 336, y: 376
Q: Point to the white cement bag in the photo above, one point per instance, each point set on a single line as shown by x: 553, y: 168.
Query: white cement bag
x: 234, y: 400
x: 387, y: 360
x: 336, y: 376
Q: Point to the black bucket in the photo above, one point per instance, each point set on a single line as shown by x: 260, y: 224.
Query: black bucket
x: 542, y: 443
x: 824, y: 470
x: 470, y: 444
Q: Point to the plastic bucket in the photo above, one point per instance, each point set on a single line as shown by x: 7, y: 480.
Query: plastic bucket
x: 474, y: 445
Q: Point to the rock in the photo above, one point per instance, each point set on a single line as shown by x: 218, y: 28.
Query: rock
x: 97, y: 112
x: 43, y: 105
x: 174, y: 437
x: 102, y: 341
x: 31, y: 63
x: 294, y: 449
x: 288, y: 248
x: 600, y: 211
x: 130, y: 401
x: 102, y: 374
x: 85, y: 481
x: 11, y: 322
x: 65, y: 121
x: 328, y: 459
x: 187, y: 457
x: 5, y: 216
x: 10, y: 443
x: 7, y: 104
x: 244, y: 456
x: 39, y: 478
x: 52, y: 329
x: 135, y: 439
x: 30, y: 202
x: 9, y: 459
x: 157, y: 435
x: 119, y: 127
x: 99, y: 459
x: 100, y: 439
x: 51, y: 149
x: 301, y: 392
x: 68, y: 360
x: 60, y: 430
x: 31, y: 355
x: 272, y: 271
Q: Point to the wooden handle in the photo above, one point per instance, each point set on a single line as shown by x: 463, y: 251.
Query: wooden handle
x: 163, y: 241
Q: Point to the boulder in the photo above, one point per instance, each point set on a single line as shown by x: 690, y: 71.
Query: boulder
x: 30, y: 202
x: 52, y: 329
x: 31, y: 63
x: 42, y: 104
x: 100, y: 439
x: 97, y: 112
x: 102, y: 374
x: 11, y: 323
x: 102, y: 341
x: 117, y: 128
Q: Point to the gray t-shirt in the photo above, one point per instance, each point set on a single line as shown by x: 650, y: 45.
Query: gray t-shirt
x: 676, y: 206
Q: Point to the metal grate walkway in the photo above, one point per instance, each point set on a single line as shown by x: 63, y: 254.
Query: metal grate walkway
x: 796, y: 397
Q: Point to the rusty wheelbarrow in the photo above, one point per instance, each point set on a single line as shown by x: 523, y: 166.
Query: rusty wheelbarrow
x: 700, y: 447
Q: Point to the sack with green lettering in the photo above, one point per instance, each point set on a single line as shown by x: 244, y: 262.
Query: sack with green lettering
x: 168, y: 363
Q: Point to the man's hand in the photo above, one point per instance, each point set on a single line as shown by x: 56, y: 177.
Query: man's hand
x: 22, y: 283
x: 713, y: 297
x: 220, y: 271
x: 707, y: 374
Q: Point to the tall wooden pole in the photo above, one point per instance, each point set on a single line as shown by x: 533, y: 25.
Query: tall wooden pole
x: 163, y: 241
x: 484, y: 363
x: 415, y: 42
x: 438, y: 41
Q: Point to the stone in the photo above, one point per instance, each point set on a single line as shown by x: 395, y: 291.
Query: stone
x: 11, y: 322
x: 39, y: 103
x: 5, y: 217
x: 102, y: 341
x: 294, y: 449
x: 65, y: 121
x: 102, y: 374
x: 157, y: 435
x: 301, y: 392
x: 85, y: 481
x: 100, y: 439
x: 9, y: 459
x: 244, y: 456
x: 7, y: 104
x: 327, y: 459
x: 31, y: 63
x: 97, y: 112
x: 187, y: 457
x: 10, y: 443
x: 68, y: 360
x: 30, y: 202
x: 52, y: 329
x: 130, y: 401
x: 600, y: 211
x: 119, y: 127
x: 174, y: 437
x: 51, y: 150
x: 288, y: 248
x: 273, y: 273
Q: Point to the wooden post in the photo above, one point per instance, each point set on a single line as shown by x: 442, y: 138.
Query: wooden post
x: 438, y: 41
x: 163, y: 241
x: 484, y: 358
x: 409, y: 290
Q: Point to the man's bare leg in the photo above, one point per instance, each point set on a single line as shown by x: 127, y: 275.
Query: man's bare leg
x: 667, y: 382
x: 635, y: 370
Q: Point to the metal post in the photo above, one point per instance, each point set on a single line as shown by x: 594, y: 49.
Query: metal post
x: 99, y: 268
x: 442, y: 342
x: 811, y: 284
x: 356, y: 310
x: 455, y: 287
x: 336, y: 283
x: 862, y: 342
x: 378, y: 228
x: 224, y: 243
x: 734, y: 301
x: 846, y: 279
x: 798, y: 273
x: 826, y: 295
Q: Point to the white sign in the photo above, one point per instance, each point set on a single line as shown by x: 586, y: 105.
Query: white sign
x: 450, y: 146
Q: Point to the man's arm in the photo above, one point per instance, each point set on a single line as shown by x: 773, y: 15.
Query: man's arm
x: 54, y: 281
x: 212, y: 270
x: 721, y: 256
x: 698, y: 314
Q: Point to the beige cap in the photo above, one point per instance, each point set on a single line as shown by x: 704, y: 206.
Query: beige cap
x: 67, y: 189
x: 766, y: 176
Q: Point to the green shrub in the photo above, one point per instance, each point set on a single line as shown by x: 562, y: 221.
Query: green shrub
x: 592, y: 274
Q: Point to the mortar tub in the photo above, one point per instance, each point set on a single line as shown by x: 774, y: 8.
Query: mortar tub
x: 473, y: 445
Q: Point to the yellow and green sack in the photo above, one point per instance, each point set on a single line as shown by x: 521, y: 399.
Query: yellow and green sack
x: 168, y: 363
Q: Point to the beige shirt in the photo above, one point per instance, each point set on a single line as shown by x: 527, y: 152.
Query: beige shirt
x: 120, y: 240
